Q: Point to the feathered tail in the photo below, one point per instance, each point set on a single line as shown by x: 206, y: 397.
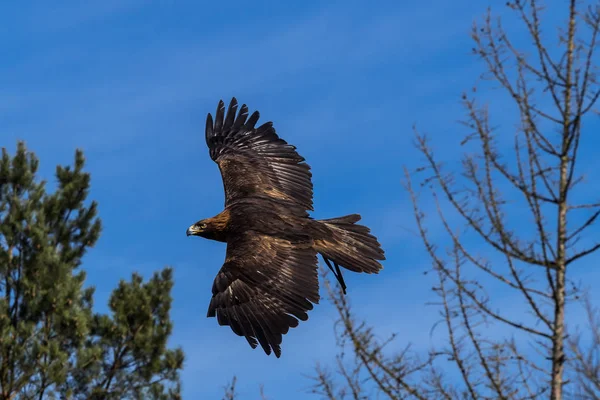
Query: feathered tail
x: 351, y: 246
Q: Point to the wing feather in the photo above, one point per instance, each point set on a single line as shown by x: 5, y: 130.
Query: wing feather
x: 265, y: 286
x: 256, y: 162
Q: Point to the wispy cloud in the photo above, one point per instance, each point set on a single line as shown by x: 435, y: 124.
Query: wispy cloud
x: 105, y: 110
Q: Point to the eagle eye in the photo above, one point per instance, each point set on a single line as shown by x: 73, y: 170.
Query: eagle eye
x: 202, y: 226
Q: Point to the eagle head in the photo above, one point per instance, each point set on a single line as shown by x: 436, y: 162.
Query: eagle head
x: 198, y: 228
x: 214, y: 228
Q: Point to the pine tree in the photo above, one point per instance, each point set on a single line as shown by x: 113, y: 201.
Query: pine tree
x: 52, y: 344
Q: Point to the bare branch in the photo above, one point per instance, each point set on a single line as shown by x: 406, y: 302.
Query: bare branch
x: 513, y: 202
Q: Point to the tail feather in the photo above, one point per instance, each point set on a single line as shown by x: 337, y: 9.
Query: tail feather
x: 350, y: 245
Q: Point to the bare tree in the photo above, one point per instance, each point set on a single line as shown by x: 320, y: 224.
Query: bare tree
x: 366, y: 371
x: 517, y: 224
x: 229, y: 391
x: 585, y: 358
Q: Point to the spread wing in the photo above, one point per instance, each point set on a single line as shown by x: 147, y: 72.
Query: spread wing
x: 265, y: 286
x: 255, y: 162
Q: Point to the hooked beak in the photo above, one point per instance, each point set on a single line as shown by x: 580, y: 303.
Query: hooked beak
x: 192, y: 230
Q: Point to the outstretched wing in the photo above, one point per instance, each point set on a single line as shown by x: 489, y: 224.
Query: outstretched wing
x: 255, y: 162
x: 265, y: 286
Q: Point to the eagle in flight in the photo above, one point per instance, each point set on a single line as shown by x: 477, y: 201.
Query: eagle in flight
x: 269, y: 279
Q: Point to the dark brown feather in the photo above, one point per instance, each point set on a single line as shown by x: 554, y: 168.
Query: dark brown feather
x: 265, y: 286
x: 255, y: 162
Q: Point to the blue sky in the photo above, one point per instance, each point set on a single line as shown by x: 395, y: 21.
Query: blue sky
x: 130, y: 82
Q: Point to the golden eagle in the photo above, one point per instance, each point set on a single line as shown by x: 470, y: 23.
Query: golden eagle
x: 269, y: 279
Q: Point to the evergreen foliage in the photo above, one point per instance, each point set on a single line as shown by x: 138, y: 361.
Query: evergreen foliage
x: 52, y: 343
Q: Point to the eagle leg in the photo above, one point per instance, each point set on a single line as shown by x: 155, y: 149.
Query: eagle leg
x: 337, y: 273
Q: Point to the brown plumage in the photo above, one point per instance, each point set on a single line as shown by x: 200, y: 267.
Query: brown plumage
x: 269, y: 279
